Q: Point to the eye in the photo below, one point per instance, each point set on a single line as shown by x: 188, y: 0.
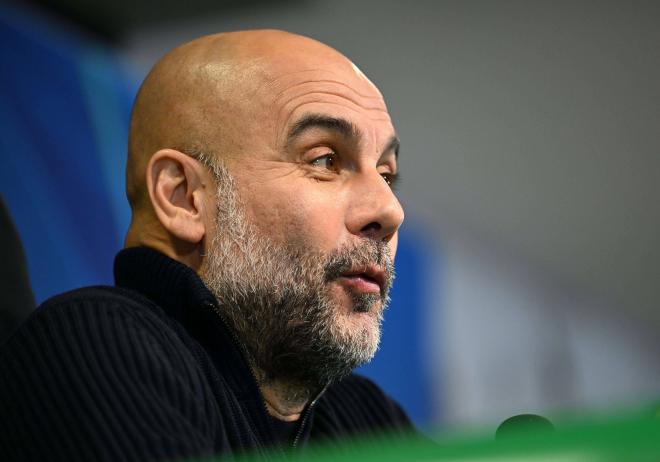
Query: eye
x: 326, y: 161
x: 390, y: 179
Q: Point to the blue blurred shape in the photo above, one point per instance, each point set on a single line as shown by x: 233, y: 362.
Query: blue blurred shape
x: 399, y: 366
x: 56, y: 144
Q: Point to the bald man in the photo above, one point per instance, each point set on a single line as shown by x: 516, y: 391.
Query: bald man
x: 256, y: 270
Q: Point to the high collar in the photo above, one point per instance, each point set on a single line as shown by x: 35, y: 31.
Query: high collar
x: 181, y: 293
x: 174, y: 286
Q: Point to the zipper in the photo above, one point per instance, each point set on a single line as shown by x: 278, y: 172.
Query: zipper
x: 308, y: 411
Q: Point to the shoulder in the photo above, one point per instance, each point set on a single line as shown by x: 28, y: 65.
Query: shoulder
x: 99, y: 324
x: 87, y: 310
x: 106, y: 361
x: 357, y: 405
x: 95, y: 298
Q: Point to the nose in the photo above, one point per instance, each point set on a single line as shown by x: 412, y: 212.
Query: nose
x: 374, y: 212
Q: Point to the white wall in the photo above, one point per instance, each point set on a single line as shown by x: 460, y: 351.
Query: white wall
x: 510, y: 338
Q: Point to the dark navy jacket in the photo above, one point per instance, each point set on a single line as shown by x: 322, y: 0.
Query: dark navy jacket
x: 146, y: 370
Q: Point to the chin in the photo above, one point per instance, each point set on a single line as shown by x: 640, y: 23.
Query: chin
x: 357, y: 321
x: 362, y: 328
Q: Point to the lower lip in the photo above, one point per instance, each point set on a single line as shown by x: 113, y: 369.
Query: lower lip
x: 360, y: 284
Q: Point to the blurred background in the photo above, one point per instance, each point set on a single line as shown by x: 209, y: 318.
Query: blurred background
x: 529, y: 266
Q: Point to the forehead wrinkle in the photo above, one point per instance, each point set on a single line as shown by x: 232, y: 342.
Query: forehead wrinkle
x: 355, y: 106
x: 331, y: 91
x: 338, y: 95
x: 328, y: 81
x: 284, y: 123
x: 273, y: 81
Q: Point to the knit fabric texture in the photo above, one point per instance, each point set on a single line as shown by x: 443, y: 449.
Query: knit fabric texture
x: 146, y: 370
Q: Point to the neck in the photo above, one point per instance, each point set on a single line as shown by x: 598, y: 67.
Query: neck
x: 284, y: 401
x: 152, y: 235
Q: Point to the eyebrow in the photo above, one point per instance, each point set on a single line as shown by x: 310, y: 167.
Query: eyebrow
x: 345, y: 128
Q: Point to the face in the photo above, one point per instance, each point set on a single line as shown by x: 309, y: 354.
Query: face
x: 306, y: 225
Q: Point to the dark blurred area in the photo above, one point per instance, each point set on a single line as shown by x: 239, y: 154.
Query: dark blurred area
x: 110, y: 20
x: 17, y: 297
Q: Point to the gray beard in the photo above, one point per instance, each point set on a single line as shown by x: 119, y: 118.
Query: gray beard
x: 276, y: 298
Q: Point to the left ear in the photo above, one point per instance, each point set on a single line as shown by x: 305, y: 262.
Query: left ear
x: 176, y: 185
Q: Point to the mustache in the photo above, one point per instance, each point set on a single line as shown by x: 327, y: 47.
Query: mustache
x: 361, y: 253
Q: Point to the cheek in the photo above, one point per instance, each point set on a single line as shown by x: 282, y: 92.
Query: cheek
x: 288, y: 215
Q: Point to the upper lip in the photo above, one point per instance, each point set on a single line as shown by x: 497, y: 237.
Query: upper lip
x: 374, y: 272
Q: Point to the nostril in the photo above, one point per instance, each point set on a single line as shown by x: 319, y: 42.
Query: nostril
x: 372, y: 228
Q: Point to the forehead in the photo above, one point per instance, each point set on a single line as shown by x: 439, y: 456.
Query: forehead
x: 343, y: 91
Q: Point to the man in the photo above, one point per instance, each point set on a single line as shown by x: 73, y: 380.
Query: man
x: 255, y: 274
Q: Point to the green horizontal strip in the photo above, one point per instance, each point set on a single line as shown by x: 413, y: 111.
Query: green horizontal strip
x: 623, y: 438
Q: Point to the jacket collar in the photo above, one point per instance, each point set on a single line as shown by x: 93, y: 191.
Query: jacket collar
x: 180, y: 292
x: 184, y: 297
x: 174, y: 286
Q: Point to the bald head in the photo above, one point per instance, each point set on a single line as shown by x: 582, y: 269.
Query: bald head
x: 237, y: 98
x: 203, y: 96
